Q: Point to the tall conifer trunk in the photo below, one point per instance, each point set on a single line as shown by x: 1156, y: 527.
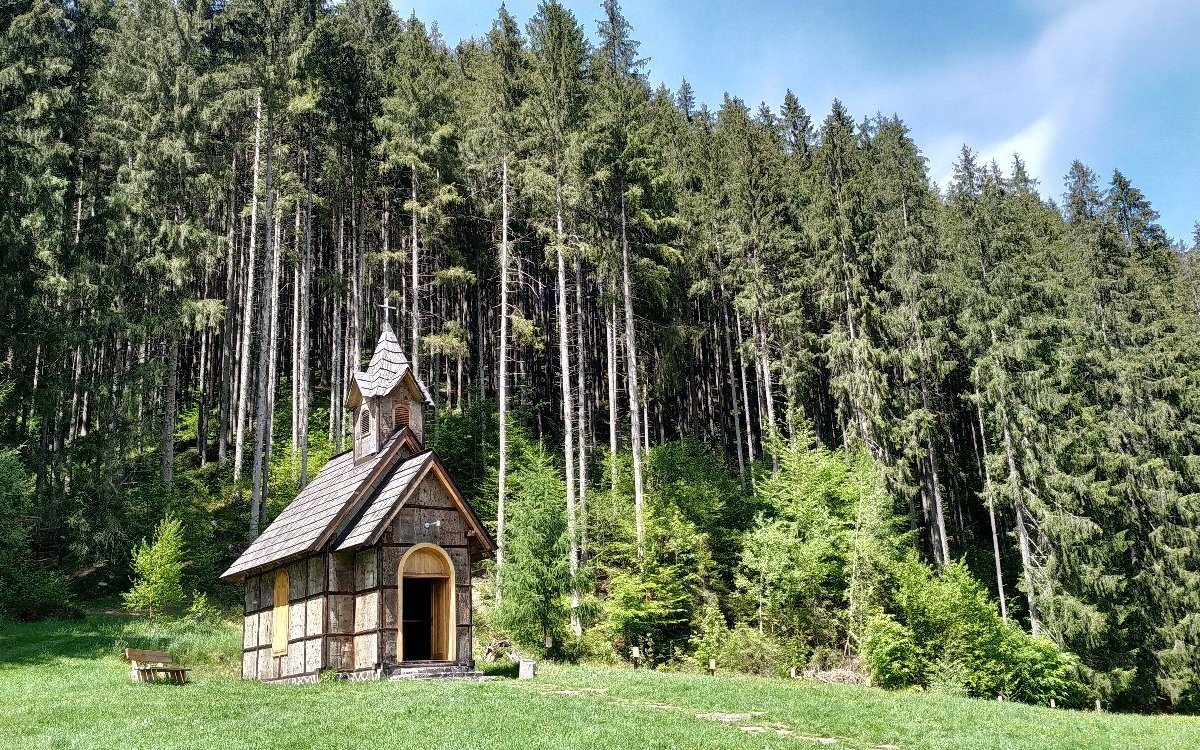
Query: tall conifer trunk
x: 415, y: 302
x: 635, y: 410
x: 243, y: 408
x: 169, y: 409
x: 987, y: 479
x: 733, y: 392
x: 265, y: 355
x: 581, y: 409
x: 502, y: 385
x: 302, y: 391
x: 610, y: 332
x: 228, y: 386
x: 564, y: 367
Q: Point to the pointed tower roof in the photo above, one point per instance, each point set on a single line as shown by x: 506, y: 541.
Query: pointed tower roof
x: 388, y: 368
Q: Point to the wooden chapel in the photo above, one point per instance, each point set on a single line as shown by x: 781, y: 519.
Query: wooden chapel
x: 367, y: 573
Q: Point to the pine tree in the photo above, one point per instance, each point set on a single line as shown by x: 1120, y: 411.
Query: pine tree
x: 157, y: 570
x: 554, y: 111
x: 497, y: 73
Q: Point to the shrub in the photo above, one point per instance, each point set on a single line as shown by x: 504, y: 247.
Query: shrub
x: 36, y: 592
x: 28, y: 591
x: 891, y: 653
x: 710, y: 637
x: 947, y: 636
x: 748, y: 651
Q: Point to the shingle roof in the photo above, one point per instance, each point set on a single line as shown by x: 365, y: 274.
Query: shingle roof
x: 376, y: 516
x: 387, y: 367
x: 406, y: 476
x: 304, y: 522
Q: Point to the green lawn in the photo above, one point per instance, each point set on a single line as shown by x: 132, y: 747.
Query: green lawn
x: 64, y: 685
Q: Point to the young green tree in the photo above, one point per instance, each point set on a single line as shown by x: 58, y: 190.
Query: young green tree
x: 158, y: 570
x: 532, y: 609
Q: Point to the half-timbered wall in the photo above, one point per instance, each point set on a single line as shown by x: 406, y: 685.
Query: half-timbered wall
x: 306, y: 623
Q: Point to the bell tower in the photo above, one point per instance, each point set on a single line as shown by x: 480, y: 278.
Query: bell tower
x: 387, y: 397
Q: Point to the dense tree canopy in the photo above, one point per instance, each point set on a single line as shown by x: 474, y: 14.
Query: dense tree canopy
x: 731, y: 381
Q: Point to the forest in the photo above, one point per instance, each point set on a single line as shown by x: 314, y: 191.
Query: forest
x: 728, y: 380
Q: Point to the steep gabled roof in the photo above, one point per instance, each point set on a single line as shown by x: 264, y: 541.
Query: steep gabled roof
x: 401, y: 483
x: 379, y: 513
x: 334, y: 495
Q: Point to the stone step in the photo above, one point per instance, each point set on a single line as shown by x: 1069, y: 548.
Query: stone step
x: 436, y: 673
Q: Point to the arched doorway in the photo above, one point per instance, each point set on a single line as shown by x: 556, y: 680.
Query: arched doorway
x: 426, y: 605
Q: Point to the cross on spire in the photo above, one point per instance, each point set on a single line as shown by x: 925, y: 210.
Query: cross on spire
x: 387, y: 309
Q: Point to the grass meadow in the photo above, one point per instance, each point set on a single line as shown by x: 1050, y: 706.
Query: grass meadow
x: 66, y: 685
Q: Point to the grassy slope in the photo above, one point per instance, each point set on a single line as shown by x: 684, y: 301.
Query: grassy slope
x: 65, y: 686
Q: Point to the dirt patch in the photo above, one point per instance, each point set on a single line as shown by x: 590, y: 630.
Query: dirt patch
x: 730, y: 718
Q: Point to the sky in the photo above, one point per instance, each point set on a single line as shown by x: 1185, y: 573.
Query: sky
x: 1113, y: 83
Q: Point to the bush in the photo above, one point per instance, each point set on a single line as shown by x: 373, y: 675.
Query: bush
x: 891, y: 653
x: 741, y: 649
x: 750, y: 652
x: 36, y: 592
x: 947, y: 636
x: 28, y: 591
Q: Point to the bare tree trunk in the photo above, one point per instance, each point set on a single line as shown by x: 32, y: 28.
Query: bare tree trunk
x: 745, y: 389
x: 305, y: 289
x: 354, y: 318
x: 1023, y: 543
x: 635, y: 410
x: 202, y: 389
x: 296, y: 303
x: 337, y: 367
x: 581, y: 424
x: 169, y: 409
x: 265, y: 355
x: 764, y: 364
x: 239, y: 443
x: 564, y: 373
x: 502, y: 385
x: 987, y: 476
x: 273, y: 348
x: 228, y: 390
x: 610, y: 331
x: 415, y: 302
x: 733, y: 390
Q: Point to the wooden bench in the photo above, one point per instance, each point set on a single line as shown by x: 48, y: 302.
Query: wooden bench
x: 148, y: 666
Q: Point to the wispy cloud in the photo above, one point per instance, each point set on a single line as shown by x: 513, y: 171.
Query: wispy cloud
x: 1047, y: 100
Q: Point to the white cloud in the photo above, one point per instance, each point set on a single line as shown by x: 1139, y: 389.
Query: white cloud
x: 1045, y: 101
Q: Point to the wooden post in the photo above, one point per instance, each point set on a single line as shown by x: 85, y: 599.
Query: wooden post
x: 712, y: 667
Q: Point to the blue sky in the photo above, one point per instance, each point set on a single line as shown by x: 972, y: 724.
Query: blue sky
x: 1114, y: 83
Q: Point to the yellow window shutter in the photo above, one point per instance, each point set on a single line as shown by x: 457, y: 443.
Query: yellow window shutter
x: 279, y: 630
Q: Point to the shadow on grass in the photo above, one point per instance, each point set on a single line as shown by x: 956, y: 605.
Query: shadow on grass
x: 100, y: 636
x: 50, y: 640
x: 502, y: 669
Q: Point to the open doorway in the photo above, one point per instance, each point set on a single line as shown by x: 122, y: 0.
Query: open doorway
x: 426, y: 606
x: 418, y: 619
